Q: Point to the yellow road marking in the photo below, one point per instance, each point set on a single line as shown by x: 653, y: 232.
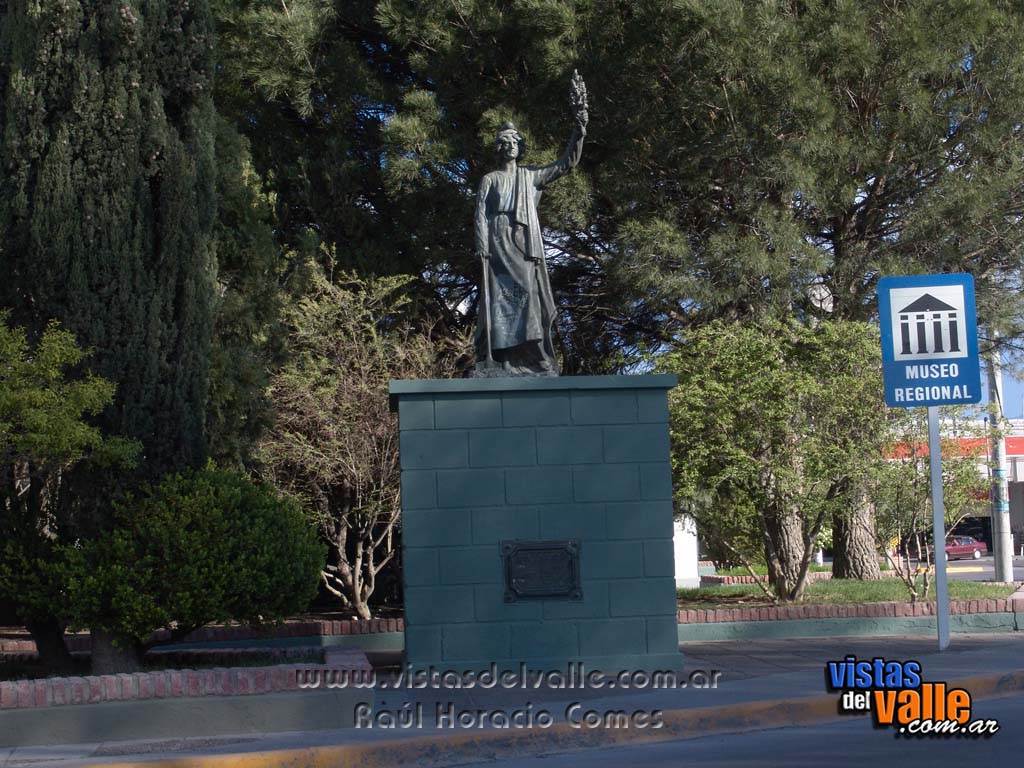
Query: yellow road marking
x: 969, y: 569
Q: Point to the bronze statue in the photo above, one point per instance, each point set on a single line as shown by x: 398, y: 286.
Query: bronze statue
x: 517, y: 309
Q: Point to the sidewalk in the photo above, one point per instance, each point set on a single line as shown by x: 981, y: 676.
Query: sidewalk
x: 763, y: 684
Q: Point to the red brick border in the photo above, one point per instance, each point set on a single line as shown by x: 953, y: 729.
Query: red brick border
x: 183, y: 683
x: 850, y: 611
x: 80, y: 643
x: 319, y: 628
x: 712, y: 580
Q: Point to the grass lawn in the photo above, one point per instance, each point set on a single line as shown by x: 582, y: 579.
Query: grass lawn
x: 833, y: 591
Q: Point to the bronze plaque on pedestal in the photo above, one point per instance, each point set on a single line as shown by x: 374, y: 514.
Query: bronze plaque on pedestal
x: 541, y: 570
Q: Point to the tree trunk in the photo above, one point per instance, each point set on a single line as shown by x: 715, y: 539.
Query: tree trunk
x: 854, y: 553
x: 785, y: 553
x: 111, y: 659
x: 49, y: 639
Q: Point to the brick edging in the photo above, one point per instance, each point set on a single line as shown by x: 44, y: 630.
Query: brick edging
x: 851, y: 611
x: 80, y: 643
x: 317, y: 628
x: 187, y: 658
x: 177, y: 683
x: 713, y: 580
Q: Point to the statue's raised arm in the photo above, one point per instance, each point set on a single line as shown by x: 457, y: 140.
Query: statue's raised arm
x: 574, y: 149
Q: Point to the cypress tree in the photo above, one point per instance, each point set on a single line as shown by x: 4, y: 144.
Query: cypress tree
x: 247, y: 337
x: 107, y: 206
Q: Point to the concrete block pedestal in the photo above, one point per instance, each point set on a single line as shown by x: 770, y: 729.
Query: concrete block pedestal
x: 538, y: 460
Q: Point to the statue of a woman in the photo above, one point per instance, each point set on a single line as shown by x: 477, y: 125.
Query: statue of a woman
x: 517, y: 310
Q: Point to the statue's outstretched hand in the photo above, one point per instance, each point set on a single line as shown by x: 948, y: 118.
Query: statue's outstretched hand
x: 578, y: 99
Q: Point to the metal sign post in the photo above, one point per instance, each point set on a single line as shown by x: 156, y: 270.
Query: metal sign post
x: 930, y: 358
x: 939, y: 525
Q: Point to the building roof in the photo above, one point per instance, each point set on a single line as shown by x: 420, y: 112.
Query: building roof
x: 964, y: 446
x: 928, y: 303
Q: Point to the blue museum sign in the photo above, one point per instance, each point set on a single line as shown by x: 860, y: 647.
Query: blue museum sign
x: 929, y: 340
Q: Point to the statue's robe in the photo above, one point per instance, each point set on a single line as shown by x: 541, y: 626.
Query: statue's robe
x: 520, y: 314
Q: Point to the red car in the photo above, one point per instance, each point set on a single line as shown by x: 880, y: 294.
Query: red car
x: 965, y: 546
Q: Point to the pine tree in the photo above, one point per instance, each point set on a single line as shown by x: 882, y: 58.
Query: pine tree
x: 107, y: 205
x: 744, y: 159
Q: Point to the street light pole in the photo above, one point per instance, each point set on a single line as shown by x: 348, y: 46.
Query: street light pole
x: 1002, y: 543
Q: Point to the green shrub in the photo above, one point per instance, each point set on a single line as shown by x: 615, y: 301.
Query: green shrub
x: 48, y: 403
x: 201, y: 547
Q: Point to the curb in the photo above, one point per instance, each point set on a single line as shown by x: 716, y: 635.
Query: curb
x: 181, y: 683
x: 679, y: 724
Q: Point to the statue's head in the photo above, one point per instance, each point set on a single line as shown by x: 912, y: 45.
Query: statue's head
x: 509, y: 143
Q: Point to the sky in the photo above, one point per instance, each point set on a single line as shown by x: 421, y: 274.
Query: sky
x: 1013, y: 393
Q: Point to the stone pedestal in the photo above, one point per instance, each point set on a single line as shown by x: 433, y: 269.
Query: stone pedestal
x: 537, y: 523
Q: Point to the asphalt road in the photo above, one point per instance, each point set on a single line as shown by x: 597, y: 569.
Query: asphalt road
x: 838, y: 745
x: 982, y: 569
